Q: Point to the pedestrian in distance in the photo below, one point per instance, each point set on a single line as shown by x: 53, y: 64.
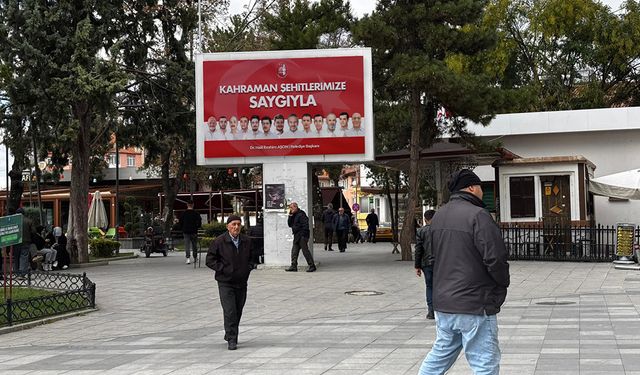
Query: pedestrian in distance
x: 190, y: 222
x: 299, y: 223
x: 342, y: 226
x: 372, y: 225
x: 327, y: 220
x: 424, y: 259
x: 470, y: 278
x: 232, y: 256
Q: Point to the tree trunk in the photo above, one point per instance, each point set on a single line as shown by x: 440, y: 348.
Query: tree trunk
x: 17, y: 187
x: 414, y: 151
x: 80, y: 153
x: 169, y: 188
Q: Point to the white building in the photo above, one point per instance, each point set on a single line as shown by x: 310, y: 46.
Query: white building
x: 608, y: 138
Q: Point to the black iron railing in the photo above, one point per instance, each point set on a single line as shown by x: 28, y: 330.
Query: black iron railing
x: 561, y: 243
x: 70, y: 293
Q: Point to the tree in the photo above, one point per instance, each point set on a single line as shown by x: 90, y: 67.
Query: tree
x: 567, y: 54
x: 422, y: 56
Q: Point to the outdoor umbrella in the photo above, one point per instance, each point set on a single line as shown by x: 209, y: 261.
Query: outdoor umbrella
x: 623, y: 185
x: 97, y: 213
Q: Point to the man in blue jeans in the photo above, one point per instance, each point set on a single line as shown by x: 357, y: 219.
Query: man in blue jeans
x: 424, y: 259
x: 470, y: 278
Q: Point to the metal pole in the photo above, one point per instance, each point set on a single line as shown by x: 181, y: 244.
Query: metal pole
x: 199, y: 27
x: 117, y: 221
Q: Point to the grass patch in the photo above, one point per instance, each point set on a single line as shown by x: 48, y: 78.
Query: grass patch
x: 26, y: 293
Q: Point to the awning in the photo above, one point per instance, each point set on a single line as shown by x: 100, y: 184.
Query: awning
x: 623, y: 185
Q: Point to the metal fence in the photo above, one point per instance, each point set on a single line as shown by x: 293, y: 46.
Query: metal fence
x: 561, y: 243
x: 71, y: 293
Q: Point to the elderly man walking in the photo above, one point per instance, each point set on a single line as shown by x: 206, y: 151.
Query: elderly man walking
x: 470, y: 278
x: 299, y: 224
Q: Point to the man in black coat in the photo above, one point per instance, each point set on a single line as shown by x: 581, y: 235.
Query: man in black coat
x: 190, y: 222
x: 424, y: 259
x: 470, y: 278
x: 232, y: 256
x: 299, y: 224
x: 342, y: 225
x: 327, y: 219
x: 372, y: 226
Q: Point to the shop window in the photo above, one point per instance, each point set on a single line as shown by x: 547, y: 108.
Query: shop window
x: 522, y: 197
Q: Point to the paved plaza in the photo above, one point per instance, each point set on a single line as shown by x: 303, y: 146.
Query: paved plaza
x: 160, y: 316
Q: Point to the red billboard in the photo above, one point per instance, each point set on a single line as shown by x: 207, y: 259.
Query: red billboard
x: 310, y: 104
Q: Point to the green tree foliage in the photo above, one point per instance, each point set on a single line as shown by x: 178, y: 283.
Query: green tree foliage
x: 63, y: 48
x: 423, y: 54
x: 567, y: 54
x: 302, y: 24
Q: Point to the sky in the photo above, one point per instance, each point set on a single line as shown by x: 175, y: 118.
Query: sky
x: 360, y: 7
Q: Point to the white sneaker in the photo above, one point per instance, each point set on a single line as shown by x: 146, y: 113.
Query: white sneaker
x: 65, y: 267
x: 188, y: 261
x: 55, y: 264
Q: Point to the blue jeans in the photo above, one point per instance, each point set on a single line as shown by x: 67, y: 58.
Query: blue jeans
x: 21, y: 259
x: 427, y: 273
x: 477, y: 334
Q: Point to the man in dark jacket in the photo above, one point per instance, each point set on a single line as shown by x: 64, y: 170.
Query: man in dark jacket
x: 231, y: 256
x: 190, y: 222
x: 342, y: 225
x: 424, y: 259
x: 372, y: 226
x: 471, y: 276
x: 299, y: 224
x: 327, y: 219
x: 22, y: 252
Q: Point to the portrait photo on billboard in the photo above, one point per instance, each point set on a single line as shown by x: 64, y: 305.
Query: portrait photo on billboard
x: 311, y: 104
x: 274, y: 196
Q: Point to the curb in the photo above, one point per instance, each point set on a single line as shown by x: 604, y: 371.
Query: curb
x: 35, y: 323
x: 102, y: 262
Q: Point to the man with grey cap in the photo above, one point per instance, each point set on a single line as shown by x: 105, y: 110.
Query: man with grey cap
x: 231, y: 256
x: 470, y: 280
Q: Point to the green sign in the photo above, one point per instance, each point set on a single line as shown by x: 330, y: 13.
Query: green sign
x: 10, y: 230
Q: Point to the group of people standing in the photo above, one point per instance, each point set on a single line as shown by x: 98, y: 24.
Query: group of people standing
x: 459, y: 251
x: 341, y: 224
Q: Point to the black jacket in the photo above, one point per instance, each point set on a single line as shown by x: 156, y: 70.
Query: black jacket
x: 341, y: 222
x: 190, y: 222
x: 471, y: 273
x: 424, y: 253
x: 327, y: 218
x: 232, y: 265
x: 372, y: 220
x: 299, y: 224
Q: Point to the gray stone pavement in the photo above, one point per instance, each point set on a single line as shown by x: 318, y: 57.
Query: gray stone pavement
x: 160, y: 316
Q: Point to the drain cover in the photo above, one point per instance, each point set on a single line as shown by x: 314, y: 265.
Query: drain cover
x: 555, y: 303
x: 363, y: 293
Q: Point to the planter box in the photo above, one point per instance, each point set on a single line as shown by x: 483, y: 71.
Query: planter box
x: 131, y: 243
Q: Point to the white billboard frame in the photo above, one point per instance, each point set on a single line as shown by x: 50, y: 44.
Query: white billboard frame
x: 368, y: 122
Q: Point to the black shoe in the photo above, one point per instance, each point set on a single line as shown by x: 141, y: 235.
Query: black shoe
x: 291, y: 269
x: 312, y: 268
x: 430, y: 315
x: 342, y: 251
x: 330, y: 249
x: 325, y: 248
x: 232, y: 345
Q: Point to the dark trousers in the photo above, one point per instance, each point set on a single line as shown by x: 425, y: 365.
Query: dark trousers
x: 427, y: 273
x: 342, y: 238
x: 191, y: 243
x: 300, y: 242
x: 232, y: 299
x: 371, y: 233
x: 328, y: 237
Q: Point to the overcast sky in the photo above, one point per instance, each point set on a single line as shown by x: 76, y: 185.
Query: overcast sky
x: 360, y: 7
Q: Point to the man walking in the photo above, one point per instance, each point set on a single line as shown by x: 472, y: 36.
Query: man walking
x: 299, y: 224
x: 342, y: 225
x: 231, y: 256
x: 327, y: 219
x: 424, y: 259
x: 471, y: 276
x: 372, y: 225
x: 190, y: 222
